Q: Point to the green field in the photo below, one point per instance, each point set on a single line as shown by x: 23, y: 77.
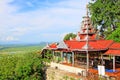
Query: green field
x: 20, y: 49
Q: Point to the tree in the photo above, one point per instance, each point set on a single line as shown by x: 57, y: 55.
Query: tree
x: 27, y: 66
x: 69, y: 35
x: 115, y: 35
x: 105, y: 13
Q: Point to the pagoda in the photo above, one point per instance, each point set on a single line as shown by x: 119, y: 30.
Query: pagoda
x: 85, y: 49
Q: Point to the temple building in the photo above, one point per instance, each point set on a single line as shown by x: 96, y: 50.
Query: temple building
x: 85, y: 51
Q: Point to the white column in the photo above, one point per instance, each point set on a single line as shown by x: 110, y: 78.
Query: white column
x: 72, y: 58
x: 87, y: 68
x: 113, y: 63
x: 62, y: 55
x: 53, y: 55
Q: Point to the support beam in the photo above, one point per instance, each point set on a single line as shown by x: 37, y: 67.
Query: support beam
x: 72, y: 58
x: 62, y: 55
x: 53, y: 55
x: 113, y: 63
x: 102, y: 59
x: 87, y: 68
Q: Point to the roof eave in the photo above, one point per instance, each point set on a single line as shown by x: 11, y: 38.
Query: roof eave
x: 90, y: 50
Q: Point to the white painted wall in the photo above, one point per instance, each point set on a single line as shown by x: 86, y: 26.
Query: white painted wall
x: 67, y: 68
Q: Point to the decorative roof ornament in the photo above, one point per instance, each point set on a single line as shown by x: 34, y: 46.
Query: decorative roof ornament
x: 87, y: 46
x: 62, y: 45
x: 77, y: 37
x: 86, y: 37
x: 47, y: 46
x: 87, y: 24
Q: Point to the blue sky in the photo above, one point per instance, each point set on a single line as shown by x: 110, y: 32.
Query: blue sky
x: 32, y: 21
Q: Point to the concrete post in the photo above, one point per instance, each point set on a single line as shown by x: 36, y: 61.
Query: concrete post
x: 113, y: 63
x: 87, y: 61
x: 72, y: 58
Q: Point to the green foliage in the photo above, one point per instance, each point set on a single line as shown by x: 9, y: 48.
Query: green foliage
x: 68, y: 78
x: 105, y: 13
x: 115, y: 35
x: 65, y: 77
x: 67, y: 36
x: 107, y: 10
x: 48, y: 56
x: 71, y: 78
x: 27, y: 66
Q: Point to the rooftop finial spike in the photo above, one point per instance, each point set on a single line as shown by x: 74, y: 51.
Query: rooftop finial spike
x: 87, y: 9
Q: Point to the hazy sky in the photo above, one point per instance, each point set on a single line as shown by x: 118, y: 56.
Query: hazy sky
x: 31, y: 21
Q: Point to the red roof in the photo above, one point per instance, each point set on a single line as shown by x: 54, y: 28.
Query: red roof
x: 82, y: 36
x: 102, y: 43
x: 74, y: 44
x: 93, y: 36
x: 95, y: 45
x: 114, y: 49
x: 115, y: 46
x: 53, y: 45
x: 113, y: 52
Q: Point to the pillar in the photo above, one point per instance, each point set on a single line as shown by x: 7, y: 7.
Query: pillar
x: 72, y: 58
x: 62, y: 55
x: 102, y: 59
x: 87, y: 67
x: 113, y: 63
x: 53, y: 55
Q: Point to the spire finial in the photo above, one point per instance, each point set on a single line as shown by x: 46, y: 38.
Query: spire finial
x: 87, y: 9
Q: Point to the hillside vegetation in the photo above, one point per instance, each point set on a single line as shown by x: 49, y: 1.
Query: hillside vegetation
x: 25, y: 64
x: 20, y: 49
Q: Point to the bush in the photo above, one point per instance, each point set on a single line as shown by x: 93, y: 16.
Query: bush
x: 28, y: 66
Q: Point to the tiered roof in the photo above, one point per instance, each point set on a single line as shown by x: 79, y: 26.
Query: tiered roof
x: 87, y: 30
x: 86, y: 40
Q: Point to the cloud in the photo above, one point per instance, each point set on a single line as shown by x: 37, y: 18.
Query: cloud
x: 56, y: 36
x: 30, y: 4
x: 9, y: 38
x: 45, y: 20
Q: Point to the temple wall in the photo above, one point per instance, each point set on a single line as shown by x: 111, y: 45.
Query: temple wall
x: 67, y: 68
x: 57, y: 74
